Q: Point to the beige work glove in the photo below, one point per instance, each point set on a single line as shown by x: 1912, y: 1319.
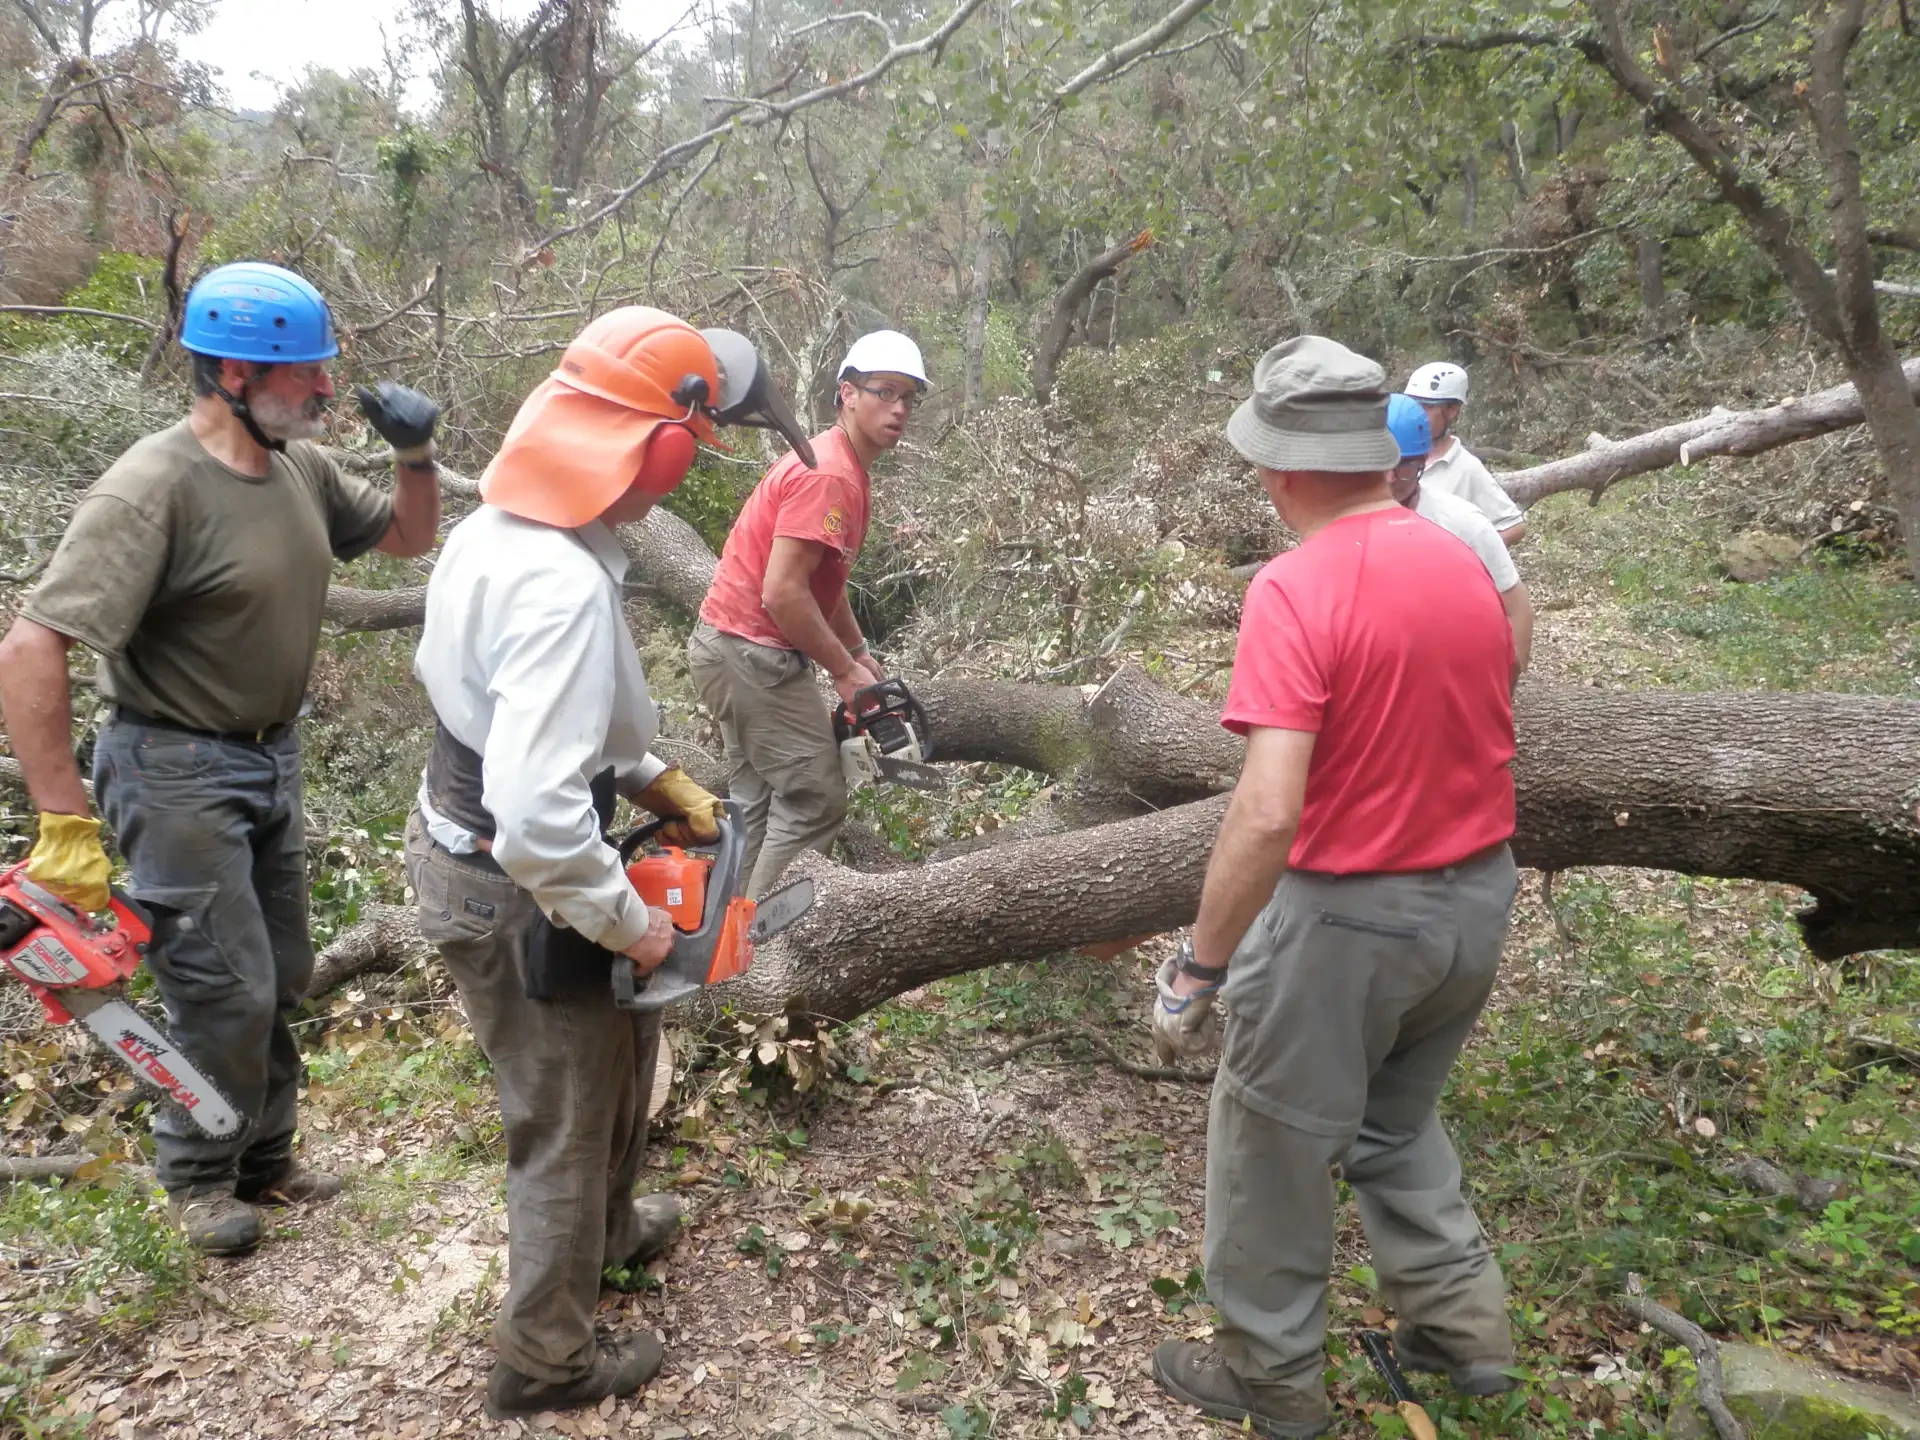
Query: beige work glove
x: 694, y: 813
x: 1184, y: 1027
x: 69, y: 860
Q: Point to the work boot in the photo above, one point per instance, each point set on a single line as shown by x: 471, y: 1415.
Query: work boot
x: 292, y: 1184
x: 656, y: 1220
x: 621, y: 1365
x: 217, y: 1222
x: 1419, y: 1354
x: 1198, y: 1375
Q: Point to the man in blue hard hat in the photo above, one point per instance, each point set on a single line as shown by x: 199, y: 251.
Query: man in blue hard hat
x: 196, y: 568
x: 1410, y: 424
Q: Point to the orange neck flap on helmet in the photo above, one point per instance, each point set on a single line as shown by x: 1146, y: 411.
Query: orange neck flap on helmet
x: 607, y: 419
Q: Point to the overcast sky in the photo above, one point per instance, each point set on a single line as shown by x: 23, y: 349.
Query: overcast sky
x: 259, y: 46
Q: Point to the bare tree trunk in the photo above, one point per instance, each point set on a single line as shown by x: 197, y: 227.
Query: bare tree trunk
x: 1470, y: 192
x: 1649, y: 257
x: 176, y: 297
x: 1873, y: 363
x: 1516, y: 156
x: 576, y: 86
x: 1066, y: 304
x: 976, y: 361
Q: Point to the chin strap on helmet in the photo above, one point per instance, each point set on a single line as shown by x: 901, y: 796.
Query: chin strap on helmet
x: 244, y: 414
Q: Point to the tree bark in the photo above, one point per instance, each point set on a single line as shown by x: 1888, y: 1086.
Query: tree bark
x: 353, y: 609
x: 1729, y: 432
x: 1649, y: 257
x: 1066, y: 304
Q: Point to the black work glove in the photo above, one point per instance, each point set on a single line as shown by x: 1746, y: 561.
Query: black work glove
x: 403, y: 416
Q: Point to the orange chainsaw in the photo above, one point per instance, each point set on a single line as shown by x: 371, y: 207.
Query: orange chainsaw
x: 715, y: 924
x: 77, y: 967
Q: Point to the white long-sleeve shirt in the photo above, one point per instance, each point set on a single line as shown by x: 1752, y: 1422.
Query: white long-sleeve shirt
x: 527, y: 660
x: 1458, y: 471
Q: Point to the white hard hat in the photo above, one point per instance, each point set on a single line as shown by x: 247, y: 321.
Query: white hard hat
x: 1438, y: 381
x: 885, y: 352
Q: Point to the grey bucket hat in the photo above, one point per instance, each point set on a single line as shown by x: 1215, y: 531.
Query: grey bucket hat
x: 1316, y: 405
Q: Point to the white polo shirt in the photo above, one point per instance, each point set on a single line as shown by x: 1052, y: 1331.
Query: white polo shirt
x: 1458, y: 471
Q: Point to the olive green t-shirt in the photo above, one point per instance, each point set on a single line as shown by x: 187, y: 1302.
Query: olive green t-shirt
x: 202, y: 588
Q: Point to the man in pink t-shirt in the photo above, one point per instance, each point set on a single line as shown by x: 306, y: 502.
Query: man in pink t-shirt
x: 1353, y: 913
x: 779, y: 601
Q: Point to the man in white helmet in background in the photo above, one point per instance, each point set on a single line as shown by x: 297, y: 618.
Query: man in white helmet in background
x: 1442, y: 388
x: 779, y: 601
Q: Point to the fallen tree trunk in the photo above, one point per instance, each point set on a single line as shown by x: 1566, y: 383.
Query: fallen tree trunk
x: 1725, y: 432
x: 352, y: 609
x: 1810, y: 790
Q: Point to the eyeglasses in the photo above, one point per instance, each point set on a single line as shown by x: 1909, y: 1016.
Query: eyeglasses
x: 887, y: 395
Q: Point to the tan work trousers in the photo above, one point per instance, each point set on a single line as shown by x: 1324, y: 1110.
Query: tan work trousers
x: 784, y: 764
x: 1347, y: 1004
x: 574, y: 1077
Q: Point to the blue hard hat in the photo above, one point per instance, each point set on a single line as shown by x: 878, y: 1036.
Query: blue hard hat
x: 251, y: 311
x: 1407, y: 419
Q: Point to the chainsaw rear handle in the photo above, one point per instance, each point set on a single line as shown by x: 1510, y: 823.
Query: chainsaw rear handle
x: 684, y: 971
x: 890, y: 697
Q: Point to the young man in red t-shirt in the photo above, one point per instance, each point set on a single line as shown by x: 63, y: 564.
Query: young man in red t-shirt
x: 779, y: 600
x: 1353, y: 913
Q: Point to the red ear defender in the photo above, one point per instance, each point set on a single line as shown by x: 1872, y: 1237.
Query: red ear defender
x: 666, y: 460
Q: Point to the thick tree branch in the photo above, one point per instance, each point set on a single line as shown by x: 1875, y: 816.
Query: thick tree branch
x: 1127, y: 52
x: 1725, y: 432
x: 1066, y: 303
x: 78, y: 310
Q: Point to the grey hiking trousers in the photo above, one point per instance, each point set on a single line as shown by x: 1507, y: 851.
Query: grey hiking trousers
x: 783, y: 762
x: 574, y: 1076
x: 1347, y: 1003
x: 215, y: 841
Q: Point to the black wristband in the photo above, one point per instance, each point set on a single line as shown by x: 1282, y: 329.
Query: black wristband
x: 1187, y: 965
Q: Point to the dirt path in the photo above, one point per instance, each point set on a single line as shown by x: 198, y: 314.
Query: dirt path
x: 330, y: 1330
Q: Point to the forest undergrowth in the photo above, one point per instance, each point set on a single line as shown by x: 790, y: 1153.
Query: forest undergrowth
x: 903, y: 1228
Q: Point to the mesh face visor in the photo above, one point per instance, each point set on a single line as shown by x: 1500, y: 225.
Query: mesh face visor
x: 748, y: 395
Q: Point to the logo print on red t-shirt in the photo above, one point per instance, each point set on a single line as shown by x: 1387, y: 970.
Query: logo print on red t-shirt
x: 834, y: 522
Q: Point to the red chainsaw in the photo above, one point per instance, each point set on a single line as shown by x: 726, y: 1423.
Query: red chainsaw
x: 77, y: 967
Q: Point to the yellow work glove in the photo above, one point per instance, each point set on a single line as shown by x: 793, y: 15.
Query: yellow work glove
x: 695, y: 813
x: 69, y: 860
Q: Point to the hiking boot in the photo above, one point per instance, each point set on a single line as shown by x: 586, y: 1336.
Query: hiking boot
x: 1420, y: 1354
x: 217, y: 1222
x: 1198, y: 1375
x: 621, y: 1365
x: 656, y: 1220
x: 293, y: 1184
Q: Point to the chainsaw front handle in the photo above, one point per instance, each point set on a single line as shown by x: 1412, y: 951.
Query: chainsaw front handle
x: 685, y: 970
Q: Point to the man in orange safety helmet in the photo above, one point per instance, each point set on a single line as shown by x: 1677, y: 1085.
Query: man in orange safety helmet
x: 542, y: 715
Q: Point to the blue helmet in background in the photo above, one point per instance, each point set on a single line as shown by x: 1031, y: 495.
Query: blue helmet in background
x: 251, y: 311
x: 1407, y: 419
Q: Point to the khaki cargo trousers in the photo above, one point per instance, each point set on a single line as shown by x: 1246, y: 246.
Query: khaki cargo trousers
x: 784, y: 764
x: 1347, y: 1003
x: 574, y: 1077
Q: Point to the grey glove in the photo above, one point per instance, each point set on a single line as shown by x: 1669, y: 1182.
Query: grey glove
x: 1184, y: 1027
x: 404, y: 417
